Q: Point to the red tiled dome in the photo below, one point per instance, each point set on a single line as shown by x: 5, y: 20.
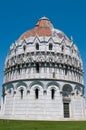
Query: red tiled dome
x: 43, y: 27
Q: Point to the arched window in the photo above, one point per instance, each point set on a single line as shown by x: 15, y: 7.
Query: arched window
x: 37, y: 46
x: 21, y: 92
x: 62, y: 48
x: 24, y: 47
x: 66, y: 70
x: 19, y: 69
x: 37, y: 67
x: 52, y: 93
x: 50, y: 46
x: 36, y: 93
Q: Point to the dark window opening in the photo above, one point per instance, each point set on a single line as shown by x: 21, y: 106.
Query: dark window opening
x: 50, y: 46
x: 66, y: 110
x: 62, y: 48
x: 37, y: 67
x: 53, y: 74
x: 37, y: 46
x: 24, y: 47
x: 36, y: 93
x: 66, y: 70
x: 52, y: 94
x: 18, y: 69
x: 21, y: 91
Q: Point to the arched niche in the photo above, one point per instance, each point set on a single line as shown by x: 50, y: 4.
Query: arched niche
x: 66, y: 90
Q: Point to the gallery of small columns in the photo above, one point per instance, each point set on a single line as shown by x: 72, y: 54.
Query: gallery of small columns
x: 43, y: 70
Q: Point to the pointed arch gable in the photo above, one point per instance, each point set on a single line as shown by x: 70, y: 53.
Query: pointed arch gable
x: 24, y: 42
x: 36, y: 40
x: 50, y: 40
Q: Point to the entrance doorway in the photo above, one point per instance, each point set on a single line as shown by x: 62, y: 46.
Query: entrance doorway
x: 66, y: 110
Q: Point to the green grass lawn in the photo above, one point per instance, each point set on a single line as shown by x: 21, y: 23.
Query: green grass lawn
x: 42, y: 125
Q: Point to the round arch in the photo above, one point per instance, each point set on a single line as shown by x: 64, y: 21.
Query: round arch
x: 53, y: 84
x: 36, y: 83
x: 21, y: 84
x: 68, y: 86
x: 9, y: 86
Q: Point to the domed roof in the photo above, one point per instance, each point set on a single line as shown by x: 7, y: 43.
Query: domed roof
x: 44, y: 27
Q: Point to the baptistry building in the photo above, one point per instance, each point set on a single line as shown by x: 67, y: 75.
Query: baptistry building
x: 43, y: 76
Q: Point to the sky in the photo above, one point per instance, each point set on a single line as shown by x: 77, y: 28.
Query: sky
x: 18, y: 16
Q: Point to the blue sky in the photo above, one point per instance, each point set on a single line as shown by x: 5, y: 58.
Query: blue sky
x: 18, y: 16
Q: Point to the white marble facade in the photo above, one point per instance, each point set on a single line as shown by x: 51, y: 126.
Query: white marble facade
x: 43, y: 76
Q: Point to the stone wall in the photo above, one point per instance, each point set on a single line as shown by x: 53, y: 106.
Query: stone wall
x: 43, y: 107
